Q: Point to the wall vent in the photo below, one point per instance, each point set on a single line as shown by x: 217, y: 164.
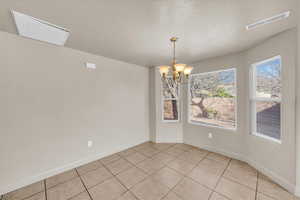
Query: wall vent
x: 37, y: 29
x: 268, y: 20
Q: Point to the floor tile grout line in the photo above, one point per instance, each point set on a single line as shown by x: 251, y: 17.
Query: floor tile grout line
x: 234, y: 181
x: 25, y: 198
x: 171, y: 189
x: 46, y: 197
x: 214, y: 190
x: 62, y: 181
x: 242, y: 184
x: 86, y: 189
x: 120, y: 153
x: 151, y: 158
x: 134, y: 195
x: 205, y: 157
x: 150, y: 174
x: 115, y: 176
x: 256, y: 185
x: 120, y: 171
x: 268, y: 195
x: 103, y: 165
x: 184, y: 176
x: 160, y: 151
x: 134, y: 165
x: 255, y: 190
x: 28, y: 197
x: 84, y: 173
x: 74, y: 196
x: 222, y: 195
x: 119, y: 181
x: 137, y: 162
x: 147, y: 175
x: 100, y: 182
x: 222, y: 176
x: 127, y: 189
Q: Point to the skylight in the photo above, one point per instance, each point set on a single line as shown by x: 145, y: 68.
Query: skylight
x: 37, y: 29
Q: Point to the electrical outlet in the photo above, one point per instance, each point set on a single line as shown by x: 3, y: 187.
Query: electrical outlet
x: 90, y: 143
x: 210, y: 136
x: 90, y: 65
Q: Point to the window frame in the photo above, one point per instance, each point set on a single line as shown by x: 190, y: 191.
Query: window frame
x: 253, y: 99
x: 190, y: 121
x: 163, y: 99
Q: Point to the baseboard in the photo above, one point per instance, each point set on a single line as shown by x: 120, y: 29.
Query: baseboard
x: 271, y: 174
x: 237, y: 156
x: 297, y: 190
x: 168, y: 141
x: 52, y: 172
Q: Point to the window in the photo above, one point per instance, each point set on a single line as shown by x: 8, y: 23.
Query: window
x: 266, y: 98
x: 212, y: 99
x: 170, y: 103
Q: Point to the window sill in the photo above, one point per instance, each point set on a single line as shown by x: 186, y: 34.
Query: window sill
x: 267, y: 138
x: 212, y: 126
x: 170, y: 121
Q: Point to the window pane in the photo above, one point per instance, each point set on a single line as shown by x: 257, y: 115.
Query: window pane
x: 170, y: 110
x: 268, y: 82
x: 169, y: 90
x: 268, y: 119
x: 212, y: 98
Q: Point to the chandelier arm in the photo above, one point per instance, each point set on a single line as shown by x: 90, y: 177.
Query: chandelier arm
x: 179, y: 72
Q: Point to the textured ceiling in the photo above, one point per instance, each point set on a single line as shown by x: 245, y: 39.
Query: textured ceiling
x: 138, y: 31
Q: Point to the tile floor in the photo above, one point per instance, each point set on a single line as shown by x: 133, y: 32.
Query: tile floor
x: 157, y: 172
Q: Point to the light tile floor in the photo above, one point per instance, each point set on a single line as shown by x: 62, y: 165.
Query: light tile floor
x: 157, y: 172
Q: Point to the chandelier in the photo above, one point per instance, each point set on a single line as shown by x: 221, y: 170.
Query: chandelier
x: 178, y: 72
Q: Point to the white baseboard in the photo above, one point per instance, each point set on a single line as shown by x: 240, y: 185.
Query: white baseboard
x: 297, y: 190
x: 237, y: 156
x: 55, y: 171
x: 271, y: 174
x: 27, y: 181
x: 168, y: 141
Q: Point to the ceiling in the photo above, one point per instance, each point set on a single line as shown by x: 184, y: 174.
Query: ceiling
x: 138, y: 31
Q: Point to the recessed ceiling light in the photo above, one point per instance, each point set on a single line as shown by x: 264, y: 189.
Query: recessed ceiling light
x: 268, y: 20
x: 37, y: 29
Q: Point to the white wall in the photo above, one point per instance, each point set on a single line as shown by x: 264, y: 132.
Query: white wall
x: 152, y: 105
x: 275, y: 160
x: 51, y: 106
x: 298, y: 110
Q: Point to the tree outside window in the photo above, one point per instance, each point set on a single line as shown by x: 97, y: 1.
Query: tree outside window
x: 170, y: 99
x: 212, y: 99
